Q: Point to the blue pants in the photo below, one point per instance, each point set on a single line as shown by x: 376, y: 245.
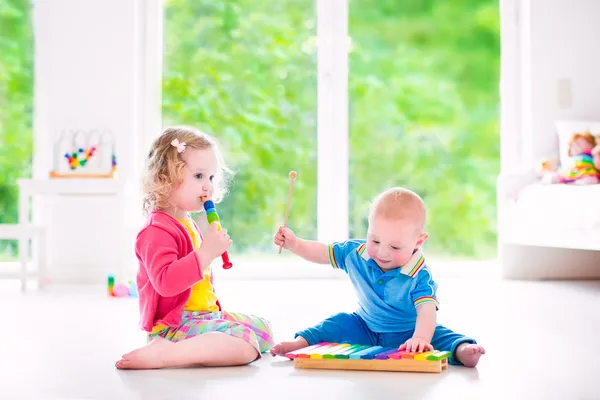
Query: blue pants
x: 351, y: 328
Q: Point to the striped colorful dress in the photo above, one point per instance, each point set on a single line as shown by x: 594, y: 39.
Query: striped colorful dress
x: 582, y: 166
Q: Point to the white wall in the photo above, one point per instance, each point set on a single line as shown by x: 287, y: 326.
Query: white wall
x: 550, y: 71
x: 560, y: 69
x: 90, y: 73
x: 85, y: 64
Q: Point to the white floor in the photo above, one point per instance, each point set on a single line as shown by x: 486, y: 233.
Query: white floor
x: 541, y: 340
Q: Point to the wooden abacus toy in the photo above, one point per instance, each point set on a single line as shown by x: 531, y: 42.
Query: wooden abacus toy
x: 84, y: 154
x: 367, y: 358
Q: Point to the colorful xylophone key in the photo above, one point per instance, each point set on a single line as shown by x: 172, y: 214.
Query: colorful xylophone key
x: 349, y: 350
x: 366, y: 352
x: 304, y: 352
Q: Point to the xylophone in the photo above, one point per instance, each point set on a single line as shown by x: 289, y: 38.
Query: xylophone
x: 367, y: 358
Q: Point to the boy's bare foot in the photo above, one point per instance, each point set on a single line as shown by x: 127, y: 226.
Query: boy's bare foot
x: 281, y: 349
x: 469, y: 354
x: 151, y: 356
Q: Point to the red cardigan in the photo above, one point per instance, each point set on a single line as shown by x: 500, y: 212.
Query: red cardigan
x: 168, y: 268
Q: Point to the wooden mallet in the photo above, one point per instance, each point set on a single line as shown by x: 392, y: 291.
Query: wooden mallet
x: 292, y: 176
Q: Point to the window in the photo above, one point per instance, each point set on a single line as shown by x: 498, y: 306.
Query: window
x: 423, y: 90
x: 16, y: 105
x: 245, y: 71
x: 415, y: 101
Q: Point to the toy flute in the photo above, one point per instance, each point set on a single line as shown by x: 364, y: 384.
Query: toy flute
x: 212, y: 216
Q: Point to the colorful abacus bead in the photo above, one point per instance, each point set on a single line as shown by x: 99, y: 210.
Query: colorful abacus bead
x: 81, y: 157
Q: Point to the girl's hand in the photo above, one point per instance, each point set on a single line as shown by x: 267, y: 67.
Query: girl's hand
x: 416, y: 345
x: 285, y: 237
x: 214, y: 244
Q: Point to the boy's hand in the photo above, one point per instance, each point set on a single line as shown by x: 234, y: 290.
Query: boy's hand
x: 214, y: 244
x: 416, y: 345
x: 285, y: 237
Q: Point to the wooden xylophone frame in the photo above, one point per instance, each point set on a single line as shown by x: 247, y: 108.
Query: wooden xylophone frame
x: 312, y: 358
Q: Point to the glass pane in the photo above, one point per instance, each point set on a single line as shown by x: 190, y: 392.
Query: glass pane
x: 16, y: 109
x: 423, y: 89
x: 245, y: 72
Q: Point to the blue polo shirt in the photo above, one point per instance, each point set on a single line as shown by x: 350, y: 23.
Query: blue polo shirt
x: 387, y: 301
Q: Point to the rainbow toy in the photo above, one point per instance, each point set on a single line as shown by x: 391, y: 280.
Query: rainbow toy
x: 111, y: 285
x: 121, y: 289
x: 345, y: 356
x: 212, y: 216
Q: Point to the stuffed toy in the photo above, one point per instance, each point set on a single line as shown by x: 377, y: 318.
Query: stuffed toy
x: 582, y: 170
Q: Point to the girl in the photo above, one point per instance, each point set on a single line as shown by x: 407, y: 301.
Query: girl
x: 178, y: 305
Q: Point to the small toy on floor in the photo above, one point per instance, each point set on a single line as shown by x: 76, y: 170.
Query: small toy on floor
x: 120, y: 289
x: 345, y: 356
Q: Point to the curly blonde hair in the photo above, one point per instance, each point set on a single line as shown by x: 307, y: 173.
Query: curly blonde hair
x: 587, y: 136
x: 164, y: 166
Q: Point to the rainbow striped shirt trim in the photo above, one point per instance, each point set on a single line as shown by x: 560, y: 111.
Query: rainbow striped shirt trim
x: 361, y: 249
x: 332, y: 260
x: 426, y: 299
x: 414, y: 265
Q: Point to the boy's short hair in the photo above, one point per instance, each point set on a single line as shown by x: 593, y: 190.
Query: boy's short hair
x: 400, y: 203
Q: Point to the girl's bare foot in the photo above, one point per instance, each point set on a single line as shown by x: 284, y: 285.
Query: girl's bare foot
x: 151, y: 356
x: 281, y: 349
x: 213, y: 349
x: 469, y: 354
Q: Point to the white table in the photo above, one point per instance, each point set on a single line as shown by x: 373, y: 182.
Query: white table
x: 24, y: 233
x: 30, y: 188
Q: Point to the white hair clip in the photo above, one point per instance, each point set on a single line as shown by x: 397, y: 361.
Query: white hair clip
x: 180, y: 146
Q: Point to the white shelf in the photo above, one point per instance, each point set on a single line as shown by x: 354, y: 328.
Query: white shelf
x: 83, y: 186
